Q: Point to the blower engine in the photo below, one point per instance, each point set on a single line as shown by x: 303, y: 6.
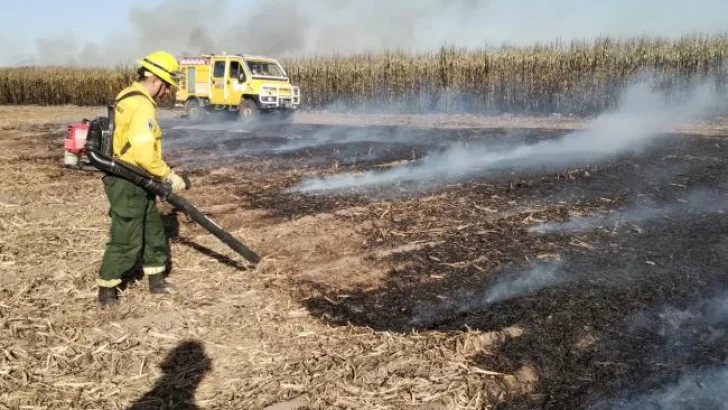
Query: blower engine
x: 74, y: 144
x: 93, y: 139
x: 75, y: 155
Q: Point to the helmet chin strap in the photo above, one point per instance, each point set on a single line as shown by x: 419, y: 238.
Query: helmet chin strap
x: 159, y: 89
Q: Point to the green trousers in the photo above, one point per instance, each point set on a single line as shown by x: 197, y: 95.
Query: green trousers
x: 137, y: 233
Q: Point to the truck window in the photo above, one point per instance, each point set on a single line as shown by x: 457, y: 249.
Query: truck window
x: 236, y: 71
x: 265, y: 68
x: 219, y: 69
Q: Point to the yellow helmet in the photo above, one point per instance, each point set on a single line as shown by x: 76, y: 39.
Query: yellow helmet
x: 162, y: 64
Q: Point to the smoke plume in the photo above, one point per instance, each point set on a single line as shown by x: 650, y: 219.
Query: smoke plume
x: 706, y: 316
x: 682, y: 329
x: 704, y: 389
x: 353, y: 144
x: 290, y: 28
x: 700, y: 201
x: 642, y: 115
x: 537, y: 277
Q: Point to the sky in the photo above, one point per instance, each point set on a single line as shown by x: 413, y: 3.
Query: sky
x: 97, y: 33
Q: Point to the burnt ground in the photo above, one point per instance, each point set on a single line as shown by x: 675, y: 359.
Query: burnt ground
x: 410, y: 295
x: 578, y: 334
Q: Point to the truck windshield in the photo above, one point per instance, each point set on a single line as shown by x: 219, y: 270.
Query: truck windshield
x: 265, y: 68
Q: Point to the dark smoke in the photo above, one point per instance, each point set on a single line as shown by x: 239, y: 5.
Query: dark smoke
x: 292, y: 28
x: 179, y: 26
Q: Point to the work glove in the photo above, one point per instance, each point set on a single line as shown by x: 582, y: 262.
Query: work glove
x: 178, y: 183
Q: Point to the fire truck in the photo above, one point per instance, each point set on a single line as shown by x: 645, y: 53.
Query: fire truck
x: 246, y: 85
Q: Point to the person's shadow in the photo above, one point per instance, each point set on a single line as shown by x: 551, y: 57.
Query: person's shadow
x: 184, y: 368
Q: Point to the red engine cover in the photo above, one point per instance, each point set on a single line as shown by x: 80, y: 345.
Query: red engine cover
x: 76, y: 137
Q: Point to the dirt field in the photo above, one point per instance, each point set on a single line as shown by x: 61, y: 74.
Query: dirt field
x: 580, y: 287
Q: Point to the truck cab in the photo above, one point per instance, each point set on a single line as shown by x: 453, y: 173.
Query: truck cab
x: 243, y: 84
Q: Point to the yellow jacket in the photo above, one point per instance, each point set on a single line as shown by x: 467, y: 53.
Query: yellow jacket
x: 137, y: 136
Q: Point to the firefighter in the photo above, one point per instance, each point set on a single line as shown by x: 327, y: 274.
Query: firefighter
x: 137, y: 232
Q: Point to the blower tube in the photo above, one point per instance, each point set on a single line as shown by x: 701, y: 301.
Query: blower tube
x: 143, y: 179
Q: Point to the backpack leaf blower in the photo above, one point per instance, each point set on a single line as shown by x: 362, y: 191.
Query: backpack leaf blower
x: 98, y: 149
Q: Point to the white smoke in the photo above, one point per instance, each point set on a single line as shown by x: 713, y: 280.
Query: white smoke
x: 642, y: 115
x: 340, y: 135
x: 291, y: 28
x: 537, y: 277
x: 706, y: 316
x: 705, y: 321
x: 217, y: 140
x: 705, y: 389
x: 698, y: 201
x: 183, y: 138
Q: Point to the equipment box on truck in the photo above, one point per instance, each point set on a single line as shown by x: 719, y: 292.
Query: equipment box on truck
x: 242, y: 84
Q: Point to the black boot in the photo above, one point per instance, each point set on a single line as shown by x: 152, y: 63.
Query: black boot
x: 158, y: 284
x: 108, y: 297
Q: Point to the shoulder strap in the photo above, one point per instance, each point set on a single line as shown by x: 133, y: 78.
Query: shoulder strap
x: 126, y: 146
x: 129, y: 94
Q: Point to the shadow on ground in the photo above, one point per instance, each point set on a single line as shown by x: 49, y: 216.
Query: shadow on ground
x: 183, y: 370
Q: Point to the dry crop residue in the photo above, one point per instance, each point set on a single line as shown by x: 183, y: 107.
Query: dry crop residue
x: 383, y: 298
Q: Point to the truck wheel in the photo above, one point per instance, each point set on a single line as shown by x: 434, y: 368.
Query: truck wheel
x: 193, y: 110
x: 249, y: 110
